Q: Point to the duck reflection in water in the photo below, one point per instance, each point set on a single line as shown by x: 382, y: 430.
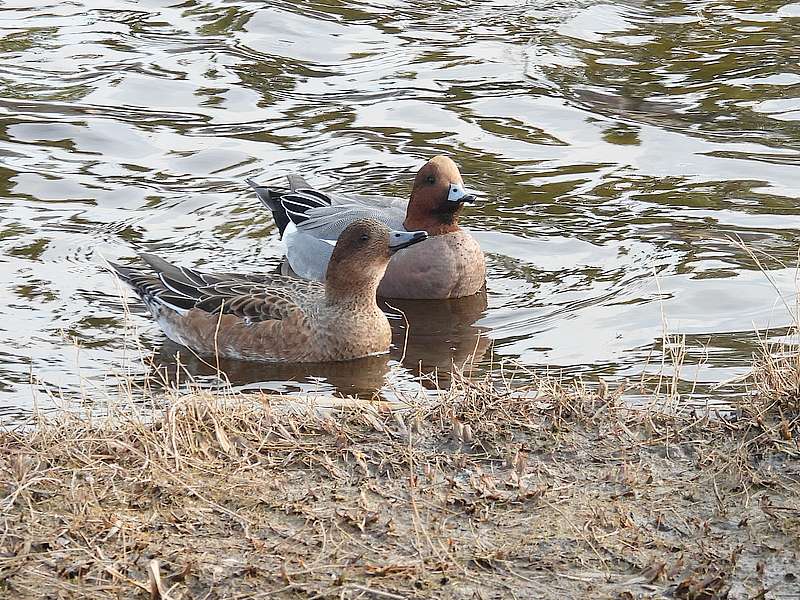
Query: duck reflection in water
x: 429, y: 336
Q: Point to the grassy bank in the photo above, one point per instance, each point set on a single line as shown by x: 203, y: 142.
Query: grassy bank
x: 549, y: 491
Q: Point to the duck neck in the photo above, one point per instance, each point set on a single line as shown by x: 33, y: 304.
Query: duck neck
x: 431, y: 226
x: 435, y: 218
x: 357, y: 295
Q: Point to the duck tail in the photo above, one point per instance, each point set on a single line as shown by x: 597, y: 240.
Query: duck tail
x: 126, y: 274
x: 271, y: 198
x: 143, y: 285
x: 153, y: 289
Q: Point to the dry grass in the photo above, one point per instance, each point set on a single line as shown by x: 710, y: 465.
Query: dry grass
x: 776, y: 379
x: 775, y: 375
x: 545, y: 491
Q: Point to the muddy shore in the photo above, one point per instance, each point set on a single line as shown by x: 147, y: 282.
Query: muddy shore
x: 550, y: 490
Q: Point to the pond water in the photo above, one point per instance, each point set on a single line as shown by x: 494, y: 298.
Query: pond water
x: 618, y: 147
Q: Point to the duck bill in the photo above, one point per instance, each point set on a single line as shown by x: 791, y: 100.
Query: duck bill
x: 403, y: 239
x: 459, y: 194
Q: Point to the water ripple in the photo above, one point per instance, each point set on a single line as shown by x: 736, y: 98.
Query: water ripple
x: 618, y: 148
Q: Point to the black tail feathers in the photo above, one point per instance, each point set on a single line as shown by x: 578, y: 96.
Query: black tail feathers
x: 271, y: 198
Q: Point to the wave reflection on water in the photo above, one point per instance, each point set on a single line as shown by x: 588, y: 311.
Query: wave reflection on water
x: 618, y: 147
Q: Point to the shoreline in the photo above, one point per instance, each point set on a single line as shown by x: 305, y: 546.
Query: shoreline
x: 547, y: 491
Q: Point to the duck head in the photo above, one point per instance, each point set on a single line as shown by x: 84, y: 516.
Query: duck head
x: 360, y: 257
x: 437, y: 197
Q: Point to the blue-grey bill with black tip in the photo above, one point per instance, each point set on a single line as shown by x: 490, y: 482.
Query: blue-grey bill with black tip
x: 403, y: 239
x: 457, y: 193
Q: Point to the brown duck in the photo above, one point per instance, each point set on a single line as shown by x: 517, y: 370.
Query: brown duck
x: 449, y: 265
x: 276, y: 317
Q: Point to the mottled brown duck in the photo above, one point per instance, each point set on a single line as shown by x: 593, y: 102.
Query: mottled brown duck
x: 272, y: 317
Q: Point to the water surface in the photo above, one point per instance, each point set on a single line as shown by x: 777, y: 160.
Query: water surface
x: 618, y: 148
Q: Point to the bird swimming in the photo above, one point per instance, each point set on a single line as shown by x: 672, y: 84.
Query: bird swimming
x: 450, y: 264
x: 272, y: 317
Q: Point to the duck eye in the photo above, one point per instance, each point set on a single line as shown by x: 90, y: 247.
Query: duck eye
x: 431, y: 179
x: 364, y: 237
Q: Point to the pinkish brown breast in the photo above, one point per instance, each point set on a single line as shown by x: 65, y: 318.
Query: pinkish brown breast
x: 445, y: 266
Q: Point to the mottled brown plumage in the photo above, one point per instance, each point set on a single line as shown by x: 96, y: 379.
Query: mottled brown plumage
x: 276, y: 317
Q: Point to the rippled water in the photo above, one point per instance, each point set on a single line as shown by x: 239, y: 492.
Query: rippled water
x: 618, y: 147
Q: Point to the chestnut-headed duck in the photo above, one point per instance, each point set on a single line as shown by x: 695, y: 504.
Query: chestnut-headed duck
x: 276, y: 317
x: 449, y: 264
